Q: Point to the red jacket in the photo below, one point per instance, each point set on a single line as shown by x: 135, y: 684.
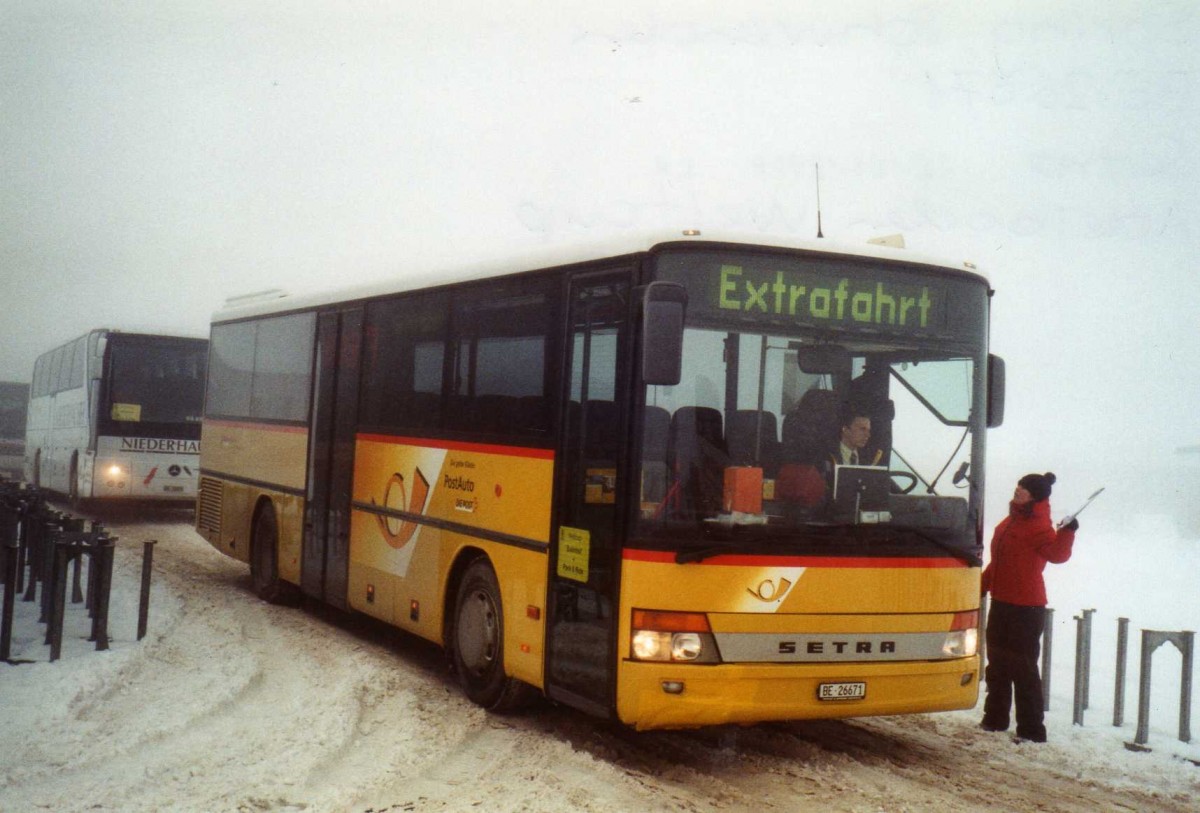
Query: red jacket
x: 1021, y: 546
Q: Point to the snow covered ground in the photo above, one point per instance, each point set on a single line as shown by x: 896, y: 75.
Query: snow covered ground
x: 230, y: 704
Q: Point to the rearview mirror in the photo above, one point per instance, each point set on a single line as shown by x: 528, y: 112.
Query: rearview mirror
x: 663, y: 308
x: 995, y: 405
x: 824, y: 359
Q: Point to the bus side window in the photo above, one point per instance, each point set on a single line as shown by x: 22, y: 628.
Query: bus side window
x: 501, y: 343
x: 403, y: 363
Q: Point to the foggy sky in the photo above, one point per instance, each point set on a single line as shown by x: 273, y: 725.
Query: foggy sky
x: 160, y: 157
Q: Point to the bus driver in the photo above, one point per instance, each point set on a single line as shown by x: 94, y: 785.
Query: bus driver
x: 854, y: 434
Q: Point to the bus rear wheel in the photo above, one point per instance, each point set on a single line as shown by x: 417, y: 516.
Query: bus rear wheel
x: 264, y: 566
x: 478, y: 643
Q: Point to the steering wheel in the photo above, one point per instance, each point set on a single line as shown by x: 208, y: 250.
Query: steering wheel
x: 906, y: 475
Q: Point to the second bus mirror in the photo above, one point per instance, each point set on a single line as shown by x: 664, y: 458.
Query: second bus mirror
x: 995, y: 405
x: 663, y: 308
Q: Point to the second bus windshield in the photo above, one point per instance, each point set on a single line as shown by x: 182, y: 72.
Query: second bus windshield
x: 155, y: 382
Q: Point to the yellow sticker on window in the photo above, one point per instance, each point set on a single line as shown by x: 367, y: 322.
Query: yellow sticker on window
x: 574, y: 549
x: 127, y: 412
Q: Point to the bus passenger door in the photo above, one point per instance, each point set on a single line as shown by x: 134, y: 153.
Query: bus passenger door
x: 585, y: 548
x: 326, y: 557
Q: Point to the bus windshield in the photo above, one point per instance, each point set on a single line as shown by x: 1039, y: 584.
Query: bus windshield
x: 154, y: 382
x: 798, y: 430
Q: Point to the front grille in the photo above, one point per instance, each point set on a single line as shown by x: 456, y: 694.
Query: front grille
x: 208, y: 514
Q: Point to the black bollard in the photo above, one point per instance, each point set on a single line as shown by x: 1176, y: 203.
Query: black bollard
x: 50, y: 577
x: 10, y: 594
x: 51, y: 528
x: 76, y: 574
x: 104, y: 561
x: 58, y: 605
x: 32, y: 527
x: 144, y: 601
x: 22, y: 549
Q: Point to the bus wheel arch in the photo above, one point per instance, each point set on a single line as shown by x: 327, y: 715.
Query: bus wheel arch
x: 474, y: 637
x: 264, y: 554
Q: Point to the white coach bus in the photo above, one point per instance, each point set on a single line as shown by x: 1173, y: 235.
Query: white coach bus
x: 116, y: 415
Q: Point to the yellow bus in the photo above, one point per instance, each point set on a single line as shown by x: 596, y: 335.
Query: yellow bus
x: 617, y: 478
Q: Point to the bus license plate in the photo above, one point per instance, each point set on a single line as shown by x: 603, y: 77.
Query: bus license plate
x: 841, y: 691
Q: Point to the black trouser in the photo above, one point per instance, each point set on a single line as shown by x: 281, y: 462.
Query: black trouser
x: 1014, y: 642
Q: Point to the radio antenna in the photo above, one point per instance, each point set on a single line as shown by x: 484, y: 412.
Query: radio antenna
x: 819, y: 235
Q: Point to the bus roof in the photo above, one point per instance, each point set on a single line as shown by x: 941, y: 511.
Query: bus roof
x: 105, y: 331
x: 277, y: 300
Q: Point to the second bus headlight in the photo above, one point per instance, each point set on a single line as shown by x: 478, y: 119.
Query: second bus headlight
x: 116, y: 474
x: 963, y: 639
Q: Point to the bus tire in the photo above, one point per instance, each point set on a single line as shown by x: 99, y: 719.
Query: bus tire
x: 477, y: 645
x: 264, y: 566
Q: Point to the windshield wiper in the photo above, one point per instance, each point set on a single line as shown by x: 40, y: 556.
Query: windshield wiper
x: 699, y: 553
x: 955, y: 551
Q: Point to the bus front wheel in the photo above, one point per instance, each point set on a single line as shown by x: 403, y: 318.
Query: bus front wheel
x: 478, y: 643
x: 264, y: 568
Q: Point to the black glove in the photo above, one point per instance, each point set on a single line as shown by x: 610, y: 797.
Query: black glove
x: 1073, y: 525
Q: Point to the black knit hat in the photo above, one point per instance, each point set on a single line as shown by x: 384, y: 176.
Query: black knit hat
x: 1038, y: 485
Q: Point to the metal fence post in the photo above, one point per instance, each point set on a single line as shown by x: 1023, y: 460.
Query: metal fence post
x: 1151, y: 640
x: 11, y: 567
x: 32, y: 526
x: 105, y: 551
x: 983, y: 622
x: 1187, y: 648
x: 50, y: 576
x: 1087, y: 656
x: 1143, y: 724
x: 1080, y: 645
x: 20, y: 552
x: 75, y: 526
x: 22, y: 543
x: 58, y: 603
x: 144, y: 600
x: 1119, y: 691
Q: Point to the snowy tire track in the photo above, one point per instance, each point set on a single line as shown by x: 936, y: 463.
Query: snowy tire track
x: 232, y: 704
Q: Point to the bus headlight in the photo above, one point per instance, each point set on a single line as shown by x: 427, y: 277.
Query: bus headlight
x: 651, y: 646
x: 115, y: 474
x: 963, y: 639
x: 672, y: 637
x: 686, y: 646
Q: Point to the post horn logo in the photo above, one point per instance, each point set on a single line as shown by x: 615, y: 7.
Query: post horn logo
x: 398, y: 532
x: 770, y: 592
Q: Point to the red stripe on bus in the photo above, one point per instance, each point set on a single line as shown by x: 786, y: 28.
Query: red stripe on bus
x: 461, y: 446
x: 746, y: 560
x: 264, y: 427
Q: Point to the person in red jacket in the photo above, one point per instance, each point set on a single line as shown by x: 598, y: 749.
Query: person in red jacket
x: 1021, y: 546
